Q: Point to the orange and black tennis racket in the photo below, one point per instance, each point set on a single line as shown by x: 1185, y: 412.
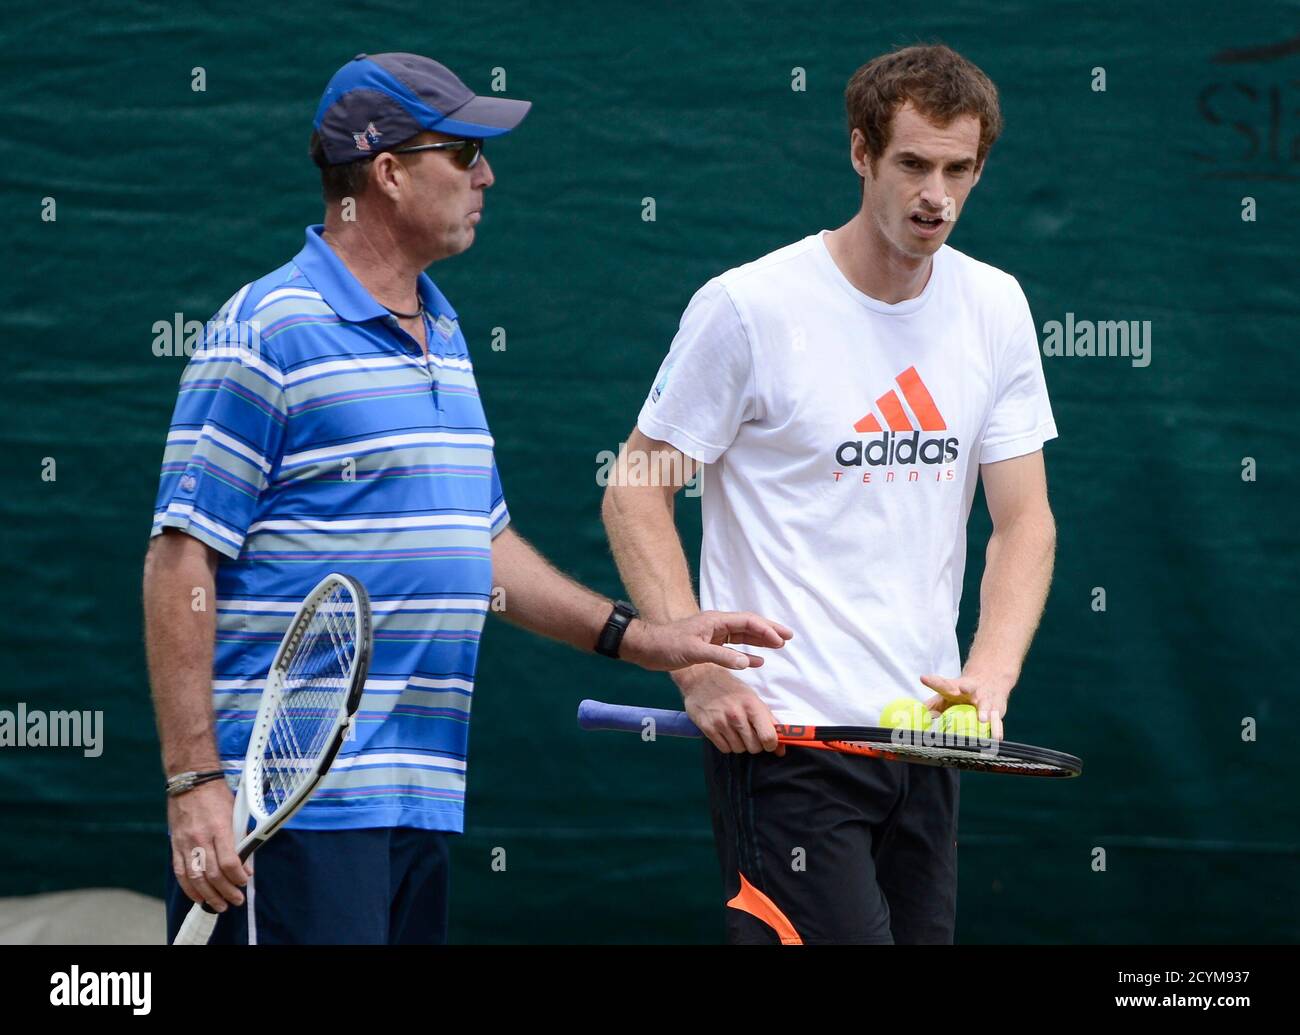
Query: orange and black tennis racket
x: 920, y: 747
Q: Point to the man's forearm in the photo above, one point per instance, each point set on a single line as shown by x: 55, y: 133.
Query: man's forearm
x: 1017, y: 574
x: 540, y: 598
x: 648, y: 551
x: 180, y: 629
x: 651, y: 562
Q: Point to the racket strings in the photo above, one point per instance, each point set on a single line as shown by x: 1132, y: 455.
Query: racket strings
x: 966, y: 758
x: 316, y: 684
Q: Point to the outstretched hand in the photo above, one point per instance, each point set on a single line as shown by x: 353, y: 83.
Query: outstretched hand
x: 701, y: 639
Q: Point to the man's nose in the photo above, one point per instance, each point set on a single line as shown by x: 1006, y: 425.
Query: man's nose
x: 483, y: 177
x: 934, y: 191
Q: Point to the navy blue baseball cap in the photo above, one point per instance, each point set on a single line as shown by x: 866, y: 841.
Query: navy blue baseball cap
x: 378, y: 100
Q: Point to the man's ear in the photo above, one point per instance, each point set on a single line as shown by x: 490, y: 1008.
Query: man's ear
x: 385, y: 173
x: 858, y: 153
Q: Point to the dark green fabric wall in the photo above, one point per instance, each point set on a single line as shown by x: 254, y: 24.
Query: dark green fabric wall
x: 1117, y: 205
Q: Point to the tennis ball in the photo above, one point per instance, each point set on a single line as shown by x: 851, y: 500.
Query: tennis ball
x: 962, y: 720
x: 906, y: 713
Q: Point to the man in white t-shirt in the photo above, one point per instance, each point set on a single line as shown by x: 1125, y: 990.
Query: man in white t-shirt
x: 847, y: 392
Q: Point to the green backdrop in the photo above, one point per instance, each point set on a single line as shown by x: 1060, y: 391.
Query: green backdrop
x: 1117, y: 204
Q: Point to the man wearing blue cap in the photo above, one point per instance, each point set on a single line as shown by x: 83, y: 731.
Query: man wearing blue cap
x: 345, y: 432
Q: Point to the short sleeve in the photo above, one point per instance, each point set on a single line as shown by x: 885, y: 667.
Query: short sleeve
x: 705, y: 387
x: 1020, y: 420
x: 500, y: 516
x: 225, y: 440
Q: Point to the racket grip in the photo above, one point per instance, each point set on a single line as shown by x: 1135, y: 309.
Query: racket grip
x: 197, y: 928
x: 595, y: 715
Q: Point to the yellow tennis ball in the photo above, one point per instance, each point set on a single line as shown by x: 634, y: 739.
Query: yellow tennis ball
x: 906, y: 713
x: 962, y: 720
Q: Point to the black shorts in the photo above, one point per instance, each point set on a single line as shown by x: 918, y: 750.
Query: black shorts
x: 823, y: 847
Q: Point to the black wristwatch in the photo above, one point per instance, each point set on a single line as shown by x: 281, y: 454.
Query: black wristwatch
x: 612, y: 635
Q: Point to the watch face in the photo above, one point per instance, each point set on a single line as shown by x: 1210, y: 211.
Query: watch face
x: 612, y: 634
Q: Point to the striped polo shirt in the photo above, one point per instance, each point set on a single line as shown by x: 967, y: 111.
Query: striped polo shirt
x: 312, y: 435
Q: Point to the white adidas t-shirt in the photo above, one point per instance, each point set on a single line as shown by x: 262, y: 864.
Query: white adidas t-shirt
x: 845, y: 437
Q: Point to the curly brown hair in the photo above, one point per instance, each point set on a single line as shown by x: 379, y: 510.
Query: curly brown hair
x: 941, y: 84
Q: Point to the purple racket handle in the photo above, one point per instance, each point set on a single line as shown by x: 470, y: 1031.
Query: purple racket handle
x: 594, y: 715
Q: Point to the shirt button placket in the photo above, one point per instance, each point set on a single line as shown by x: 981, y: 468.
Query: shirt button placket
x: 428, y: 360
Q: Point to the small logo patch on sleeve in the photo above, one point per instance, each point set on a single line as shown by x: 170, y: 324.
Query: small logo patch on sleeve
x: 662, y: 383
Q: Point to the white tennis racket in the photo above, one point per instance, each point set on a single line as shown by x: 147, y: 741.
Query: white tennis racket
x: 312, y: 692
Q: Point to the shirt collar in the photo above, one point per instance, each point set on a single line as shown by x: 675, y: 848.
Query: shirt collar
x: 343, y: 292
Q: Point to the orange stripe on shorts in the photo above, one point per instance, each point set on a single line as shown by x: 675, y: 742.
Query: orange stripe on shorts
x: 755, y: 903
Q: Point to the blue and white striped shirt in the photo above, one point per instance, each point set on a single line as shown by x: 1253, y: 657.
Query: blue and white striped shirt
x: 311, y: 435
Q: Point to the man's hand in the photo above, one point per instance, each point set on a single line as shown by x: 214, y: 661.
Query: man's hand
x: 698, y: 640
x: 727, y: 711
x: 989, y: 696
x: 203, y: 846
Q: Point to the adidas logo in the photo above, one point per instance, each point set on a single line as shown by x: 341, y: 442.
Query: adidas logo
x: 895, y: 446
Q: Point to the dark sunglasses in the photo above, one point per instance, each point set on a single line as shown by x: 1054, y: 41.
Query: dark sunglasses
x: 468, y: 151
